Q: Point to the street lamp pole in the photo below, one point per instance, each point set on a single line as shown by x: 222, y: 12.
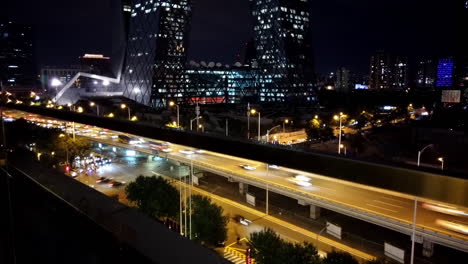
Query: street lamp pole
x: 227, y: 127
x: 258, y: 126
x: 441, y: 159
x: 268, y: 132
x: 191, y: 122
x: 413, y: 235
x: 248, y: 120
x: 339, y: 137
x: 177, y: 108
x: 421, y: 151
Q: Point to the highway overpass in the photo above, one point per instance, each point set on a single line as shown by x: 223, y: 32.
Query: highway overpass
x: 389, y: 207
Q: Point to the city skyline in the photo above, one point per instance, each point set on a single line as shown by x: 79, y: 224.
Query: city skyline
x: 341, y: 30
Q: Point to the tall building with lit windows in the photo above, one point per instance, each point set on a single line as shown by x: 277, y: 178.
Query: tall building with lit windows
x: 16, y: 56
x: 156, y: 51
x: 282, y: 36
x: 388, y: 71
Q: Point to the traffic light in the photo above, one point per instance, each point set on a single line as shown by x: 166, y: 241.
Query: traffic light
x: 67, y: 168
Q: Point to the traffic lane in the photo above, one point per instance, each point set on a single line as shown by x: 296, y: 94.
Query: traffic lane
x: 404, y: 214
x: 79, y: 126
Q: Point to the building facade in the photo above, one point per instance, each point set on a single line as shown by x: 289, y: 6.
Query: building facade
x: 17, y: 68
x: 388, y: 71
x: 282, y: 37
x: 156, y: 51
x: 425, y: 74
x: 445, y: 71
x: 343, y: 82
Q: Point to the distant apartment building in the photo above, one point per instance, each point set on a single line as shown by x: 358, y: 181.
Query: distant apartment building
x: 425, y: 74
x: 388, y: 71
x: 343, y: 80
x: 17, y: 69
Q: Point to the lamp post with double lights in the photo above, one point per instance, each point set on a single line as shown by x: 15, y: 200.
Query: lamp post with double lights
x: 339, y: 117
x: 191, y: 121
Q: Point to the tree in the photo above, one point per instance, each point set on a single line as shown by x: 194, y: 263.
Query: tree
x: 304, y: 253
x: 318, y: 130
x: 67, y: 146
x: 339, y: 258
x: 208, y: 222
x: 154, y: 196
x: 268, y: 247
x: 265, y: 246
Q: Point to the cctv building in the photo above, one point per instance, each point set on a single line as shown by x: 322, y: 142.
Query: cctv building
x: 284, y: 49
x: 156, y: 72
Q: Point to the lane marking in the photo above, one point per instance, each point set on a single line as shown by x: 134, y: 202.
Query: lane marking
x: 382, y: 208
x: 388, y: 204
x: 400, y: 201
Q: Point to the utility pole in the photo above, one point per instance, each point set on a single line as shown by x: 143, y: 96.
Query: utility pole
x: 227, y: 127
x: 248, y: 120
x: 197, y: 112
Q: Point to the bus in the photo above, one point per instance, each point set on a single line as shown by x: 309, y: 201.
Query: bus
x: 124, y: 139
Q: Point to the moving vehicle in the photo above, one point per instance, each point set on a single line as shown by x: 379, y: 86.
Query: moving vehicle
x: 301, y: 180
x: 115, y: 183
x: 272, y: 166
x: 186, y: 151
x: 445, y: 209
x: 124, y: 139
x: 242, y: 220
x: 456, y: 226
x: 103, y: 180
x: 247, y: 167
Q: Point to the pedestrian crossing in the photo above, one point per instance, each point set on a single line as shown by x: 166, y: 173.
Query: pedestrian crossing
x: 234, y: 256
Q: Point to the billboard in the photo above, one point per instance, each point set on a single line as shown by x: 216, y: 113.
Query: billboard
x: 451, y: 96
x: 394, y: 253
x: 334, y: 230
x: 359, y: 86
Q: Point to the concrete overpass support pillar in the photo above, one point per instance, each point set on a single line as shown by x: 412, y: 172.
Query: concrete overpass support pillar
x: 243, y: 188
x: 314, y: 211
x: 428, y: 249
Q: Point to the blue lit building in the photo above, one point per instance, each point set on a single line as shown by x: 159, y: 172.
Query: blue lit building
x: 445, y: 69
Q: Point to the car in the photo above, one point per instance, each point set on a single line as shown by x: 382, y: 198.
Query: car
x: 186, y: 151
x: 99, y: 162
x: 456, y: 226
x: 74, y: 173
x: 166, y: 150
x: 303, y: 178
x: 115, y: 183
x: 242, y: 220
x: 107, y: 161
x: 200, y: 151
x: 103, y: 180
x: 272, y: 166
x: 247, y: 167
x: 445, y: 209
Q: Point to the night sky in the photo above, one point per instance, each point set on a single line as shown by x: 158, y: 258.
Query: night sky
x: 346, y: 32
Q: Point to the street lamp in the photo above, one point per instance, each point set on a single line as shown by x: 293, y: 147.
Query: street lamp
x: 253, y: 111
x: 92, y: 104
x: 286, y: 121
x: 80, y: 109
x: 268, y: 132
x: 55, y: 83
x: 421, y: 151
x: 441, y: 159
x: 336, y: 117
x: 201, y: 127
x: 123, y: 106
x: 171, y: 104
x: 342, y: 146
x: 191, y: 121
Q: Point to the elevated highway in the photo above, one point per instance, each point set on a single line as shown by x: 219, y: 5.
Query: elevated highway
x: 388, y: 207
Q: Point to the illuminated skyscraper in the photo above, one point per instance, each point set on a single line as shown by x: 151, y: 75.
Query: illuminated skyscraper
x: 156, y: 51
x: 445, y: 76
x: 283, y: 49
x: 16, y: 55
x: 388, y: 71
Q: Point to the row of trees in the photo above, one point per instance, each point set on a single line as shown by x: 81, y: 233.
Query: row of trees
x: 267, y: 247
x: 54, y: 145
x: 156, y: 197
